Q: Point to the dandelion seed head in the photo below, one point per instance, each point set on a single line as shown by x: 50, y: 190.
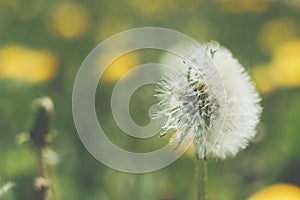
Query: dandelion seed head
x: 212, y: 102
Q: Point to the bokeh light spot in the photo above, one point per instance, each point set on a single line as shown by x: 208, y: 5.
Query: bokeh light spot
x: 277, y: 31
x: 22, y: 63
x: 120, y: 66
x: 278, y: 192
x: 69, y: 20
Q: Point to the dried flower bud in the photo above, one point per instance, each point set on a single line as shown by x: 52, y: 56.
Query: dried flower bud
x: 41, y: 129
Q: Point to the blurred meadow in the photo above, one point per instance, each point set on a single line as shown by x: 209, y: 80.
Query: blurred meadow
x: 43, y: 43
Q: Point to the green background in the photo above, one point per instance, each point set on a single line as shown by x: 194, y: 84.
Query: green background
x: 272, y: 157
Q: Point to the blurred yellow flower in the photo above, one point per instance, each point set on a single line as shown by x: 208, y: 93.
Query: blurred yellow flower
x: 17, y: 62
x: 277, y: 31
x: 283, y: 70
x: 244, y: 6
x: 120, y: 66
x: 109, y: 26
x: 69, y: 20
x: 286, y: 64
x: 262, y: 79
x: 277, y: 192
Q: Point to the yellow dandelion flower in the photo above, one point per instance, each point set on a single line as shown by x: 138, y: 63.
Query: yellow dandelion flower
x: 277, y: 31
x: 286, y: 64
x: 69, y: 20
x: 278, y: 192
x: 262, y: 79
x: 120, y: 66
x: 289, y: 49
x: 17, y: 62
x: 283, y: 70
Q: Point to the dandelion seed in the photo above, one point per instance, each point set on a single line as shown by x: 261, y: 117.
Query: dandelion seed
x: 212, y: 102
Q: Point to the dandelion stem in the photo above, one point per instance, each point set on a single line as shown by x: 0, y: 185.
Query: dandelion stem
x: 41, y: 137
x: 41, y: 163
x: 201, y: 178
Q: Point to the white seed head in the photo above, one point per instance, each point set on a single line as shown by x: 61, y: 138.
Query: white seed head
x: 212, y: 102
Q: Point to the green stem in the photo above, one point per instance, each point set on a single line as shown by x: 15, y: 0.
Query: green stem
x: 201, y: 178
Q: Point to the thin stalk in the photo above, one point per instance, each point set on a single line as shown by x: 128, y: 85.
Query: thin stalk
x: 201, y: 178
x: 41, y: 183
x: 41, y: 163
